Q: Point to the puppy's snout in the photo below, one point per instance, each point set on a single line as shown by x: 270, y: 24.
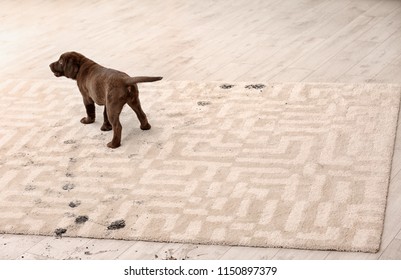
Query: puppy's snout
x: 54, y: 69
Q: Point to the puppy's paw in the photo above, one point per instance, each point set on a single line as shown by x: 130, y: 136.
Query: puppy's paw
x: 87, y: 120
x: 106, y: 127
x: 113, y: 145
x: 145, y: 127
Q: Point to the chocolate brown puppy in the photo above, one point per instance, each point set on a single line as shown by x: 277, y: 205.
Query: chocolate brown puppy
x: 103, y: 86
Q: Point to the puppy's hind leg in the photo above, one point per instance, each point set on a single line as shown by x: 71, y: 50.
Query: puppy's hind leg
x: 113, y: 113
x: 90, y: 111
x: 135, y: 104
x: 106, y: 124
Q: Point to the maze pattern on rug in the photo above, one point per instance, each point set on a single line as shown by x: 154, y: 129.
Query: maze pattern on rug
x: 272, y: 165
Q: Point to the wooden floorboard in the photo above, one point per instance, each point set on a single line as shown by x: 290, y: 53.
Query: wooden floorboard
x: 245, y: 40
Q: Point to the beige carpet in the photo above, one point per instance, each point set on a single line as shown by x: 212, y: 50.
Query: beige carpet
x: 281, y: 165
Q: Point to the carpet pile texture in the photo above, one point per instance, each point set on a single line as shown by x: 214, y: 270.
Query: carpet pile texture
x: 271, y: 165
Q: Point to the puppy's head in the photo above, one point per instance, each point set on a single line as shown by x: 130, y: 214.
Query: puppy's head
x: 68, y: 65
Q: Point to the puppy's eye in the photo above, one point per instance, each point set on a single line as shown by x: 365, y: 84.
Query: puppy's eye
x: 61, y: 61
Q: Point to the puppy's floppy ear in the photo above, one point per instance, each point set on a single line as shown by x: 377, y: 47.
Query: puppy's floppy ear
x: 71, y: 68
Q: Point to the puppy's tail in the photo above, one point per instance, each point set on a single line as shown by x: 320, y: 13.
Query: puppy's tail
x: 141, y: 79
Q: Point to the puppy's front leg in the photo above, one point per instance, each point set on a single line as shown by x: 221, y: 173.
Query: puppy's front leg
x: 90, y: 111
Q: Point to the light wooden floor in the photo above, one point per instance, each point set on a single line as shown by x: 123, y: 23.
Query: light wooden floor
x: 242, y: 40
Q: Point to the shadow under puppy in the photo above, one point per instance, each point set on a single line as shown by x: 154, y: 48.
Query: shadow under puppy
x: 103, y: 86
